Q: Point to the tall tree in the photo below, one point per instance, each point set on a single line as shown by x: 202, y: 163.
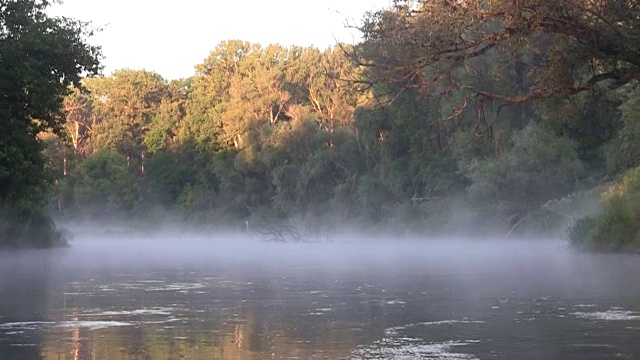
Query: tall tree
x: 125, y: 104
x: 78, y: 107
x: 209, y: 95
x: 41, y: 57
x: 559, y: 47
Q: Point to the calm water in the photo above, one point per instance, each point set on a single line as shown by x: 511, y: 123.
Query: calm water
x: 182, y: 298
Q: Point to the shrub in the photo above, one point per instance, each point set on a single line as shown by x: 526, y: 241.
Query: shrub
x: 581, y: 232
x: 618, y: 227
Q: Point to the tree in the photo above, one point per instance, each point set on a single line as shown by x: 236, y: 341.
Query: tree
x: 318, y: 80
x: 41, y: 58
x: 209, y: 96
x: 78, y: 107
x: 558, y: 47
x: 623, y: 152
x: 257, y: 93
x: 540, y: 166
x: 125, y: 104
x: 106, y: 184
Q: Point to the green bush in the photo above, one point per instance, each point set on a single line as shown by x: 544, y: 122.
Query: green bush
x: 28, y: 229
x: 581, y: 232
x: 618, y: 227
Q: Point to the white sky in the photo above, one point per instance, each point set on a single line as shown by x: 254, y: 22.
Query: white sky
x: 171, y: 37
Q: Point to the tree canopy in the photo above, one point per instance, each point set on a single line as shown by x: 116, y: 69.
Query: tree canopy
x: 552, y: 47
x: 40, y: 59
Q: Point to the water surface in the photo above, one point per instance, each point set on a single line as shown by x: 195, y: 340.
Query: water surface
x: 224, y: 298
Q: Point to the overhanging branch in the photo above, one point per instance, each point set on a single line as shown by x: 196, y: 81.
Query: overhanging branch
x: 621, y: 76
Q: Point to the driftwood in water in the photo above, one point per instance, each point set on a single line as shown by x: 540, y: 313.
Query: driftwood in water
x: 285, y: 233
x: 279, y: 233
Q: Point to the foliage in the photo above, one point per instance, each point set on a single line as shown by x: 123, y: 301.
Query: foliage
x: 624, y: 150
x: 408, y: 131
x: 540, y: 166
x: 40, y: 59
x: 581, y: 233
x: 106, y: 183
x: 618, y: 227
x: 559, y: 47
x: 28, y: 229
x: 194, y: 149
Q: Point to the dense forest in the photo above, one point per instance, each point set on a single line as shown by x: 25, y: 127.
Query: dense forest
x: 484, y: 117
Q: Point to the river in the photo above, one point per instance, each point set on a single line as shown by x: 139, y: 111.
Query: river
x: 181, y: 297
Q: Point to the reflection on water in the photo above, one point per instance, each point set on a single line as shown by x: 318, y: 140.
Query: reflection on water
x: 136, y: 300
x: 210, y: 318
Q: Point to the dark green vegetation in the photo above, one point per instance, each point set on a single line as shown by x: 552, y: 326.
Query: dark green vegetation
x: 617, y: 227
x: 40, y: 58
x: 474, y: 117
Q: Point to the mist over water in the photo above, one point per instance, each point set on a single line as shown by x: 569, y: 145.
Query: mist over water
x: 227, y: 296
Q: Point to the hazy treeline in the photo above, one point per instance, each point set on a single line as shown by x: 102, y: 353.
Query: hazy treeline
x: 481, y: 117
x: 266, y: 134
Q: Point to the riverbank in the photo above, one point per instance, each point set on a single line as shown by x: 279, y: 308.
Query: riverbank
x: 617, y: 227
